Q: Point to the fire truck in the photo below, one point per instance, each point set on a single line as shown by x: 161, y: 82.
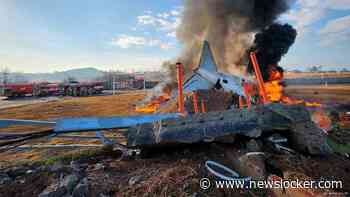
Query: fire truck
x: 47, y: 89
x: 73, y: 88
x: 13, y: 90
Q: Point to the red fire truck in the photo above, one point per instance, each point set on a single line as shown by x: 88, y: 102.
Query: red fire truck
x: 47, y: 89
x: 13, y: 90
x: 74, y: 88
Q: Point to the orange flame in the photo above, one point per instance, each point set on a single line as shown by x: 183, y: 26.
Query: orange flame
x: 273, y: 87
x: 275, y: 91
x: 155, y: 103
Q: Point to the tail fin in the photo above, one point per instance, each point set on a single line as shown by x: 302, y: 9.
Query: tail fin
x: 207, y: 61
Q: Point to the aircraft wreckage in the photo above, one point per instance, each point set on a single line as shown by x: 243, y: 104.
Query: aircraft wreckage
x: 171, y: 129
x: 293, y: 121
x: 162, y: 130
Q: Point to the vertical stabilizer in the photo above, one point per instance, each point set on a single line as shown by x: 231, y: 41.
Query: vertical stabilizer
x: 207, y: 61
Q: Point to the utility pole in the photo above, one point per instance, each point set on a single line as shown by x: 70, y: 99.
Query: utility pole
x: 144, y: 81
x: 114, y: 79
x: 113, y: 83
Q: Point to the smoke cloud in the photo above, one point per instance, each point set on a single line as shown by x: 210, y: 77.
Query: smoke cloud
x: 228, y: 25
x: 271, y: 45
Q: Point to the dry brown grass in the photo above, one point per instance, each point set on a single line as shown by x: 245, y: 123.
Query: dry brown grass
x: 324, y: 94
x: 70, y: 107
x: 316, y: 74
x: 73, y: 107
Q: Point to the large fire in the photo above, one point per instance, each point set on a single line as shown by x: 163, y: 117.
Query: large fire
x: 274, y: 88
x: 154, y: 104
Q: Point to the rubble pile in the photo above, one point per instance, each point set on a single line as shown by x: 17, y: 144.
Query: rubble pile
x: 213, y: 100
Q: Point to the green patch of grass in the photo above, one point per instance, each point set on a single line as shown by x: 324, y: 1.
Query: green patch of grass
x: 80, y: 155
x: 66, y: 158
x: 339, y: 148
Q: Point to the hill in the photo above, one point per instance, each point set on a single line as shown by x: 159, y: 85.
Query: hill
x: 82, y: 74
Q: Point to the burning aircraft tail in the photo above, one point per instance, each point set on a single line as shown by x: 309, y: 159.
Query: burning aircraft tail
x: 206, y: 76
x: 207, y: 62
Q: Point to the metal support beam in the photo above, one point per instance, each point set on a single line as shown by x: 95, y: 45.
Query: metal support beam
x: 180, y: 78
x: 259, y: 77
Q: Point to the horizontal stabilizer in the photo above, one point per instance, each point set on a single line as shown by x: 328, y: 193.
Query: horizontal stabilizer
x: 197, y: 82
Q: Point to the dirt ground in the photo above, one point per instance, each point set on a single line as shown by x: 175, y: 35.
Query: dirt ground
x: 164, y: 173
x: 331, y: 94
x: 316, y: 74
x: 5, y: 103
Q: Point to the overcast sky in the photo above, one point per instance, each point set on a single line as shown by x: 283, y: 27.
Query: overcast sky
x: 56, y: 35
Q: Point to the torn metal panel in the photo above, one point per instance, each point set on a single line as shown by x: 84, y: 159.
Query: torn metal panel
x: 101, y: 123
x: 197, y: 82
x: 91, y: 123
x: 103, y: 139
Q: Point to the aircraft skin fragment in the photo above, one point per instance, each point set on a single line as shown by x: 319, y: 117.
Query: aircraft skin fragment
x: 101, y: 123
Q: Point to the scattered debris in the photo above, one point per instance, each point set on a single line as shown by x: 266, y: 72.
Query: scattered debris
x: 69, y: 182
x: 234, y: 175
x: 56, y: 167
x: 4, y: 178
x: 253, y: 146
x: 134, y: 180
x: 82, y: 189
x: 54, y: 190
x: 251, y: 164
x: 99, y: 166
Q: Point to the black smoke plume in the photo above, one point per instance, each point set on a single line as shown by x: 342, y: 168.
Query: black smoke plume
x: 271, y: 45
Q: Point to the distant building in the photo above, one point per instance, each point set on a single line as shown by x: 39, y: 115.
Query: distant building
x: 126, y: 81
